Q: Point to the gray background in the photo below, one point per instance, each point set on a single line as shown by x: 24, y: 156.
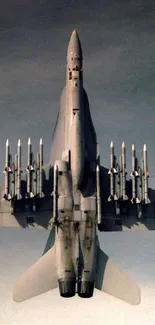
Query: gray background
x: 118, y: 46
x: 119, y: 65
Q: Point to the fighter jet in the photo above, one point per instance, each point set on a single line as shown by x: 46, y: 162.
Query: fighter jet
x: 65, y: 196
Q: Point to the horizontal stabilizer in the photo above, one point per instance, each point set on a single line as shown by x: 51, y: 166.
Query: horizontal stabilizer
x: 112, y: 280
x: 39, y: 278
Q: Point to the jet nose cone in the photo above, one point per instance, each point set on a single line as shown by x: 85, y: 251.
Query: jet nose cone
x: 74, y: 44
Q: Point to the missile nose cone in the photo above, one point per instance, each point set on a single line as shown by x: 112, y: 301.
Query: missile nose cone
x: 19, y: 143
x: 111, y: 144
x: 29, y: 141
x: 7, y: 143
x: 144, y: 148
x: 41, y: 141
x: 133, y: 147
x: 123, y: 145
x: 74, y: 44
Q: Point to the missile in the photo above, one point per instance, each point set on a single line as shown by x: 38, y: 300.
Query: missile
x: 140, y: 184
x: 145, y: 176
x: 123, y: 173
x: 134, y: 175
x: 7, y: 156
x: 134, y: 162
x: 29, y: 170
x: 18, y: 188
x: 38, y: 173
x: 112, y: 172
x: 139, y: 199
x: 13, y: 181
x: 142, y: 177
x: 35, y: 191
x: 118, y: 181
x: 29, y: 155
x: 41, y: 168
x: 123, y: 155
x: 145, y: 160
x: 38, y: 160
x: 16, y: 168
x: 98, y: 194
x: 7, y: 171
x: 112, y: 159
x: 117, y: 188
x: 140, y: 191
x: 7, y: 152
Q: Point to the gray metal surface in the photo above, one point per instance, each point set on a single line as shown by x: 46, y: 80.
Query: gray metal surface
x: 75, y: 262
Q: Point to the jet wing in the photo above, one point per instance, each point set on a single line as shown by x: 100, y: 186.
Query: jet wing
x: 32, y: 212
x: 123, y: 215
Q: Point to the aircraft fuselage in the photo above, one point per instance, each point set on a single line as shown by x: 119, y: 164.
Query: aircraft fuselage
x: 76, y: 214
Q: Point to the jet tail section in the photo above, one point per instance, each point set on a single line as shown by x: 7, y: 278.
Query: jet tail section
x: 112, y: 280
x: 39, y: 278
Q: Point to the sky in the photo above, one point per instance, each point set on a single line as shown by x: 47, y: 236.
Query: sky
x: 133, y: 252
x: 119, y: 65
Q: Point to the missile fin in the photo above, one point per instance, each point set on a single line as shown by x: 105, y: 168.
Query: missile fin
x: 9, y: 197
x: 147, y: 201
x: 112, y: 171
x: 115, y: 197
x: 125, y: 197
x: 110, y: 198
x: 135, y: 200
